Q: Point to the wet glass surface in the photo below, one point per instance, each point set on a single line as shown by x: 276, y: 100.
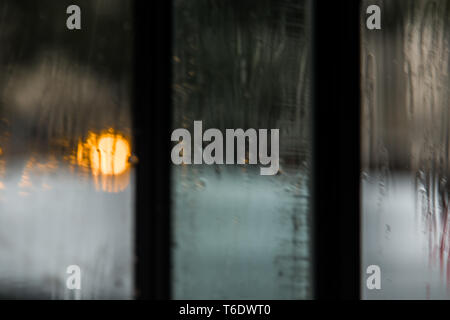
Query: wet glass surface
x: 237, y: 234
x: 66, y: 181
x: 405, y: 149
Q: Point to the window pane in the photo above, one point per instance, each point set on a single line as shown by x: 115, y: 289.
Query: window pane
x: 239, y: 234
x: 405, y: 149
x: 66, y: 184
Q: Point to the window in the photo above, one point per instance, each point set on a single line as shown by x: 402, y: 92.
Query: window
x: 405, y: 150
x: 243, y: 64
x: 66, y: 153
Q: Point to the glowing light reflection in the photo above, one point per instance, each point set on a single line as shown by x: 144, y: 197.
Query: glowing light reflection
x: 106, y: 155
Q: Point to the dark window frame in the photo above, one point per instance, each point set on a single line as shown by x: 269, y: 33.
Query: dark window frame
x: 336, y: 145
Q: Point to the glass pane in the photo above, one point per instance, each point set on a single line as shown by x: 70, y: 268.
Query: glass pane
x: 66, y: 184
x: 239, y: 234
x: 405, y: 149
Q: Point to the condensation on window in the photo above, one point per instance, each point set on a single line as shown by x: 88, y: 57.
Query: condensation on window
x: 66, y: 181
x: 405, y: 149
x: 238, y: 234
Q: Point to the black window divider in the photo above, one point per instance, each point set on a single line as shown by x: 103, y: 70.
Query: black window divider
x: 336, y: 167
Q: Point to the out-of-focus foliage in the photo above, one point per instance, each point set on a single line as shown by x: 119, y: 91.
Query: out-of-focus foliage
x: 244, y: 64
